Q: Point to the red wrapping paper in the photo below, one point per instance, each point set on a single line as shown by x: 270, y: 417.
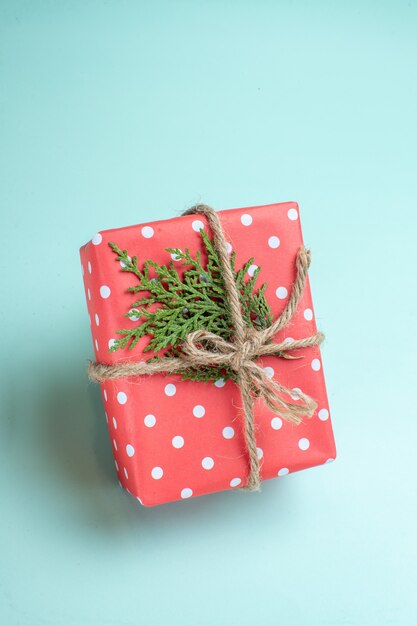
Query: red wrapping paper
x: 175, y: 439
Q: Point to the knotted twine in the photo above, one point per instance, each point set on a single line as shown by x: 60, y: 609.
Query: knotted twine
x: 204, y: 348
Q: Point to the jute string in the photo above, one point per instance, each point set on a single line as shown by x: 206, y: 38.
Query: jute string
x: 204, y: 348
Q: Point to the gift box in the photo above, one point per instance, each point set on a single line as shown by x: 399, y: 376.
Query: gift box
x: 172, y: 438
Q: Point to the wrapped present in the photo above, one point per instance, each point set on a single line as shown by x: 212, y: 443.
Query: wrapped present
x: 199, y: 395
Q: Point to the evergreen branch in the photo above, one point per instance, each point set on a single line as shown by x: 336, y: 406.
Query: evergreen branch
x: 173, y: 305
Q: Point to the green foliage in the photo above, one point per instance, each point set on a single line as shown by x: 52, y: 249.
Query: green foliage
x: 172, y: 306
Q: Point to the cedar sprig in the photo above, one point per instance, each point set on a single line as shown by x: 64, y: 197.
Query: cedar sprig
x: 173, y: 306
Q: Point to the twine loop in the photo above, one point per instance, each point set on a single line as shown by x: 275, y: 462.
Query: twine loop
x: 203, y: 348
x: 214, y: 350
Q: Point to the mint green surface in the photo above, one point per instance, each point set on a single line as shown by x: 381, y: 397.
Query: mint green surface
x: 114, y: 113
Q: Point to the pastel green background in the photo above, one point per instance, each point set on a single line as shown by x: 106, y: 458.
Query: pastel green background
x: 114, y: 113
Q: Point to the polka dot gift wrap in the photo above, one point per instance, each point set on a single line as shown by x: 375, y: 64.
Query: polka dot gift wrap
x: 175, y: 439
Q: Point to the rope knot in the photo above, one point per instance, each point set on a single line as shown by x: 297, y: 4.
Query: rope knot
x: 246, y: 351
x: 209, y: 349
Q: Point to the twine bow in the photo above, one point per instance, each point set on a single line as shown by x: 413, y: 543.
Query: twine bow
x: 204, y: 348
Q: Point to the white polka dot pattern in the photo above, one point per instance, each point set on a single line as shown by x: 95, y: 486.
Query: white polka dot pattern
x: 157, y: 472
x: 121, y: 397
x: 199, y: 410
x: 308, y: 314
x: 276, y: 423
x: 228, y: 432
x: 323, y: 414
x: 246, y: 219
x: 295, y: 396
x: 105, y: 291
x: 130, y: 450
x: 150, y: 420
x: 170, y: 390
x: 134, y: 315
x: 147, y: 232
x: 274, y: 242
x: 197, y: 225
x: 207, y: 463
x: 281, y: 293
